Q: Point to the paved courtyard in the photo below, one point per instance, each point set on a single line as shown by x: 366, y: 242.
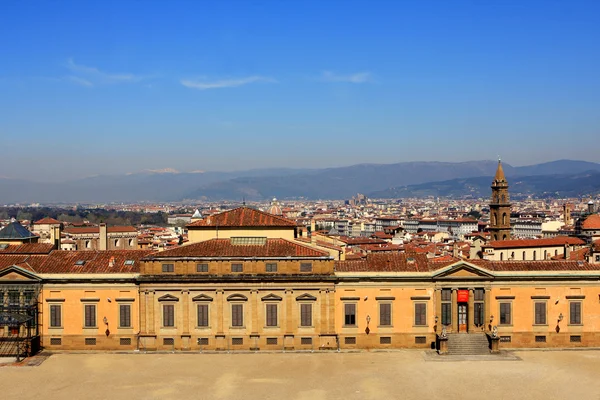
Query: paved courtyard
x: 293, y: 376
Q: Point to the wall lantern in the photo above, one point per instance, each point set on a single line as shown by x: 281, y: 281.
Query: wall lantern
x: 560, y: 317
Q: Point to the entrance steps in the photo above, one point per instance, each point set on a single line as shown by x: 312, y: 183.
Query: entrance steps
x: 468, y: 344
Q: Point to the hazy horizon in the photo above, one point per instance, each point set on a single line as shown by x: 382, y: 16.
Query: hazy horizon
x: 114, y: 88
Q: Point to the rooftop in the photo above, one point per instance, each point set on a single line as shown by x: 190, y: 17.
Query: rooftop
x: 243, y: 217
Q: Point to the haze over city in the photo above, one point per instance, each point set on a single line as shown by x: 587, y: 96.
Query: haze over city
x: 113, y: 87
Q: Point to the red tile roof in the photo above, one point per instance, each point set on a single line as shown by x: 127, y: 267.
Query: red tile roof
x: 591, y: 222
x: 224, y: 248
x: 555, y: 241
x: 95, y: 262
x: 535, y: 266
x: 390, y: 262
x: 28, y: 248
x: 243, y: 217
x: 47, y: 221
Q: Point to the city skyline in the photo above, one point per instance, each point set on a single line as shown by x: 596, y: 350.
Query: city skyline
x: 118, y: 89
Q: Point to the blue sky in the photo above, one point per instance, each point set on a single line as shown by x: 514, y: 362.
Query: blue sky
x: 115, y: 86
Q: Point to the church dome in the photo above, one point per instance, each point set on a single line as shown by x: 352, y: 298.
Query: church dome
x: 275, y: 208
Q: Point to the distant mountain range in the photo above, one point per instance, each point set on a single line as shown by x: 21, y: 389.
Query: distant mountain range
x: 538, y: 186
x: 407, y: 179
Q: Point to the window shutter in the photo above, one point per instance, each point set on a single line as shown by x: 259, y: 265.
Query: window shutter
x: 306, y: 314
x: 125, y: 315
x: 271, y: 314
x: 202, y: 314
x: 385, y: 317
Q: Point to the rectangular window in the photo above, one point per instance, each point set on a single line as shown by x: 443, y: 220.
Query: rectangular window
x: 271, y: 341
x: 271, y: 267
x: 420, y: 314
x: 237, y: 268
x: 305, y: 314
x: 505, y: 313
x: 575, y: 338
x: 350, y: 340
x: 168, y: 268
x: 203, y: 315
x: 385, y: 314
x: 385, y: 340
x: 540, y: 313
x: 55, y: 316
x: 349, y: 314
x: 168, y: 315
x: 479, y: 293
x: 125, y: 316
x: 90, y: 316
x: 575, y: 313
x: 203, y: 341
x: 90, y: 341
x: 201, y: 267
x: 271, y: 314
x: 237, y: 315
x: 306, y: 341
x: 540, y: 339
x: 446, y: 294
x: 125, y: 341
x: 446, y: 314
x: 479, y: 314
x: 306, y: 267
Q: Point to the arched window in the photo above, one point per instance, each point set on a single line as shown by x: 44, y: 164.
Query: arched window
x: 523, y: 256
x: 504, y: 219
x: 545, y: 254
x: 503, y: 237
x: 503, y: 199
x: 555, y: 252
x: 494, y: 219
x: 534, y: 255
x: 512, y: 255
x: 88, y: 244
x: 501, y: 256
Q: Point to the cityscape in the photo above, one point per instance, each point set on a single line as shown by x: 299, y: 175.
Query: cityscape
x: 313, y: 200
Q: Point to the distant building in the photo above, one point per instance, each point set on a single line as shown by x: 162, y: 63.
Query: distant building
x: 103, y: 237
x: 15, y: 233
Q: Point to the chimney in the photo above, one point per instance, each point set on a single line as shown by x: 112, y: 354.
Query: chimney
x: 567, y: 252
x: 103, y: 241
x: 455, y: 251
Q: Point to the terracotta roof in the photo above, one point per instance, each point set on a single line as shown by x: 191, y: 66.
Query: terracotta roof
x: 28, y: 248
x: 579, y: 255
x: 243, y: 217
x: 391, y: 262
x: 591, y: 222
x: 96, y: 229
x: 94, y: 262
x: 225, y: 248
x: 25, y: 261
x: 499, y: 173
x: 533, y: 266
x: 47, y: 221
x: 555, y: 241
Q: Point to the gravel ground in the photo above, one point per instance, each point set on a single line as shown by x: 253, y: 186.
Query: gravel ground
x: 293, y: 376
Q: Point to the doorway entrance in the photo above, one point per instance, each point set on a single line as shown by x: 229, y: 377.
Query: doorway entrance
x: 462, y: 317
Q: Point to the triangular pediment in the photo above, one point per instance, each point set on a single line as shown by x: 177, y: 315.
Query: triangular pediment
x: 202, y: 297
x: 271, y: 297
x: 14, y: 273
x: 463, y: 270
x: 168, y: 297
x: 306, y: 297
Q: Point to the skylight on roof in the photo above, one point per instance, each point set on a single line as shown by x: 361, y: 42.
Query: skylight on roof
x: 3, y: 246
x: 248, y: 241
x: 129, y: 262
x: 80, y: 262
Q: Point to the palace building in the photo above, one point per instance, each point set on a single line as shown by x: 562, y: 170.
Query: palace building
x: 244, y: 282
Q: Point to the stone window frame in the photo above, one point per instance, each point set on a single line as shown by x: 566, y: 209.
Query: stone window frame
x: 125, y: 304
x: 237, y: 268
x: 448, y: 303
x: 391, y: 313
x: 510, y: 313
x: 203, y: 299
x: 174, y: 315
x: 420, y: 303
x: 267, y: 306
x: 60, y: 316
x: 88, y: 306
x: 355, y: 305
x: 306, y: 267
x: 202, y: 267
x: 535, y: 313
x: 271, y: 267
x: 168, y: 267
x: 306, y: 300
x: 576, y: 300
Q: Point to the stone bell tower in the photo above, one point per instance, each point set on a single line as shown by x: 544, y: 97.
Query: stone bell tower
x: 500, y: 207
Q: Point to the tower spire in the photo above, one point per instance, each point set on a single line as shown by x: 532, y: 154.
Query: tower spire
x: 500, y: 206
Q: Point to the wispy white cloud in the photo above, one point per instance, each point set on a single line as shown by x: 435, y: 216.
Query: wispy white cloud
x: 358, y: 77
x: 91, y: 76
x: 225, y: 83
x: 80, y: 81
